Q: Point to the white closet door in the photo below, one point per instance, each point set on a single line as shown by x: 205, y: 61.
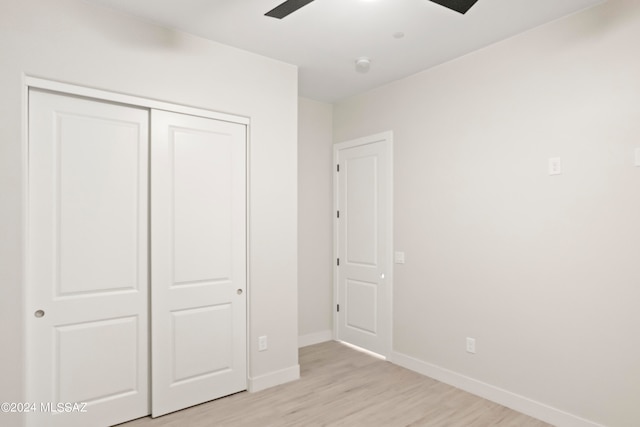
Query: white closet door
x: 198, y: 234
x: 87, y: 284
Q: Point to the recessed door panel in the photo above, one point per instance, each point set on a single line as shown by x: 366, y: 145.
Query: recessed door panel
x: 203, y: 342
x: 202, y: 184
x: 106, y: 345
x: 362, y: 219
x: 362, y: 306
x: 97, y: 199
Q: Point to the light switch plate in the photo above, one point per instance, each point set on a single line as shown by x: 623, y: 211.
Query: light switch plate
x: 262, y: 343
x: 398, y: 257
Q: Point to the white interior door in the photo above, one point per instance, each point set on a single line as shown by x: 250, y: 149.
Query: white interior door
x: 364, y: 242
x: 198, y: 234
x: 87, y: 261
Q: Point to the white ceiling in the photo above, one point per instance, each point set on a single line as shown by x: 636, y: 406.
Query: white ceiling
x: 325, y: 37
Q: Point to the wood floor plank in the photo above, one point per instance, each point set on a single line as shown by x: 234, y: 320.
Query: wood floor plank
x: 342, y: 387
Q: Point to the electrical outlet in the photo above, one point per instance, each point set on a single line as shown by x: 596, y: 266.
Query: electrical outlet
x: 262, y: 343
x: 555, y: 166
x: 471, y: 345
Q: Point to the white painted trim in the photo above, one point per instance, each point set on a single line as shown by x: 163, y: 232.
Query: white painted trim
x: 71, y: 89
x: 495, y: 394
x: 24, y: 216
x: 315, y: 338
x: 273, y: 379
x: 248, y: 246
x: 334, y: 174
x: 383, y: 136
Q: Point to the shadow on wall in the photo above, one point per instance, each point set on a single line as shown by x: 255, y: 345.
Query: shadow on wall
x: 129, y: 32
x: 612, y: 15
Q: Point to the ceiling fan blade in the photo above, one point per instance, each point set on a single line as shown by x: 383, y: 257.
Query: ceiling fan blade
x: 286, y: 8
x: 461, y: 6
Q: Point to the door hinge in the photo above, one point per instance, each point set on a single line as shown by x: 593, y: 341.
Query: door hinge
x: 338, y: 261
x: 338, y: 214
x: 338, y: 308
x: 337, y: 168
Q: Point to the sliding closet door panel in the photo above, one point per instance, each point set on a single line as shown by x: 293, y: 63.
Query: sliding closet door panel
x: 87, y: 280
x: 198, y: 233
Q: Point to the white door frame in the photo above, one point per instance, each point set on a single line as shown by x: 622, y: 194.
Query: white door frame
x: 135, y: 101
x: 30, y: 82
x: 388, y: 138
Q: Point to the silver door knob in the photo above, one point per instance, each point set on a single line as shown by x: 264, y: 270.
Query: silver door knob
x: 39, y: 313
x: 239, y: 291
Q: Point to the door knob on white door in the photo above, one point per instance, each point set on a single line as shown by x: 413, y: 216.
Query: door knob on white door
x: 239, y: 291
x: 39, y: 313
x: 382, y: 276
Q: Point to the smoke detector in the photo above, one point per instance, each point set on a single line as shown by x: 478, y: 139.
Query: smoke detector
x: 363, y: 64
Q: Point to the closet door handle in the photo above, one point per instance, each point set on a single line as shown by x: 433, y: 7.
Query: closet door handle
x: 239, y: 291
x: 39, y: 313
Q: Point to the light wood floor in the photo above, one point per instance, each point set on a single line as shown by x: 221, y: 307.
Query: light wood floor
x: 340, y: 386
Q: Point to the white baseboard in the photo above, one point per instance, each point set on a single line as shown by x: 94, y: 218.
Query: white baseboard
x: 273, y: 379
x: 503, y: 397
x: 315, y: 338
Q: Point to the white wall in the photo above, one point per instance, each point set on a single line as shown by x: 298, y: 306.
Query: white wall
x: 542, y: 270
x: 72, y: 41
x: 315, y: 221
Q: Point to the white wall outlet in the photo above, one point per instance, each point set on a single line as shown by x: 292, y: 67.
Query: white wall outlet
x: 471, y: 345
x: 555, y: 166
x: 637, y: 161
x: 262, y: 343
x: 398, y: 257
